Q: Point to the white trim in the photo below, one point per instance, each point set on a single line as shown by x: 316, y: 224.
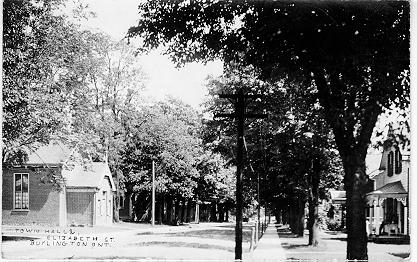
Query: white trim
x: 14, y: 192
x: 85, y: 189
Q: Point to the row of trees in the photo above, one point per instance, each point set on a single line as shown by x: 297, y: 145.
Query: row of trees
x: 355, y: 55
x: 325, y: 71
x: 83, y: 88
x: 291, y: 154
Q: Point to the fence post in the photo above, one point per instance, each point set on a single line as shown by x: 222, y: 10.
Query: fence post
x: 257, y: 232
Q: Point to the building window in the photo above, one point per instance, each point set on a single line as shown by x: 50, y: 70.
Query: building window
x: 121, y: 202
x: 109, y: 208
x: 390, y: 163
x: 21, y: 191
x: 398, y: 162
x: 103, y: 204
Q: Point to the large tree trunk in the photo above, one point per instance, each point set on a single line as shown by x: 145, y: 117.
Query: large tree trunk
x: 300, y: 218
x: 188, y: 219
x: 213, y: 212
x: 183, y: 211
x: 116, y: 199
x: 356, y: 188
x: 297, y: 216
x: 169, y: 210
x: 227, y: 212
x: 221, y: 212
x: 161, y: 209
x: 313, y: 204
x: 291, y: 217
x: 278, y: 216
x: 116, y: 207
x: 177, y: 212
x: 352, y: 143
x: 131, y: 215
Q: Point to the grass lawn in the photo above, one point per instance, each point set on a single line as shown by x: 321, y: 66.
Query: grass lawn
x: 333, y: 246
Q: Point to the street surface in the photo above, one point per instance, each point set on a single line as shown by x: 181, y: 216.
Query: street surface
x: 207, y: 241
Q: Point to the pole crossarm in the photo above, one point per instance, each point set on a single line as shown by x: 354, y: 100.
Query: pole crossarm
x: 219, y: 115
x: 254, y: 96
x: 234, y: 115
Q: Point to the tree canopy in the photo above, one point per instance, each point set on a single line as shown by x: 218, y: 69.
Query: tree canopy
x: 355, y: 53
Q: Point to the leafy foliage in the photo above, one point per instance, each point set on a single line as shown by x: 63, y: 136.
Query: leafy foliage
x: 38, y: 50
x: 355, y: 53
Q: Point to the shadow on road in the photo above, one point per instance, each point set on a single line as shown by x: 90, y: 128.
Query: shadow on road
x: 178, y: 244
x: 13, y: 238
x: 401, y: 255
x: 220, y: 234
x: 294, y: 246
x: 284, y: 232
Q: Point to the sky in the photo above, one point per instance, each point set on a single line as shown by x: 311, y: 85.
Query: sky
x: 114, y: 17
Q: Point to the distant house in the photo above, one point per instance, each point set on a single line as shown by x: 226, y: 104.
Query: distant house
x: 30, y: 197
x: 388, y: 211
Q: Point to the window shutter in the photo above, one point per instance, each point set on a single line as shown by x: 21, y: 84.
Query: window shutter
x: 390, y: 163
x: 398, y: 162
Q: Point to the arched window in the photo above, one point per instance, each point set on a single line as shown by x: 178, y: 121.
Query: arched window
x: 390, y: 163
x: 398, y: 162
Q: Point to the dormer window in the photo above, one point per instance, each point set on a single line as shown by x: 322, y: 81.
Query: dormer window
x: 390, y: 163
x: 398, y: 162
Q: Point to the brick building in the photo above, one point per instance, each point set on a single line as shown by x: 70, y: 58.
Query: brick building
x: 85, y: 196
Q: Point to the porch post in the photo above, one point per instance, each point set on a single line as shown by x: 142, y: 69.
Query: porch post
x: 376, y: 214
x: 371, y: 217
x: 399, y: 215
x: 405, y: 220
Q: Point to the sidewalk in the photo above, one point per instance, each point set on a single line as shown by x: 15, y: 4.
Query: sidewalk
x: 269, y: 247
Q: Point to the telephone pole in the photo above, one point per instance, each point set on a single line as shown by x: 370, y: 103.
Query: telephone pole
x: 239, y: 115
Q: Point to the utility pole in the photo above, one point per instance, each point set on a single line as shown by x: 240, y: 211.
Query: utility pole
x: 240, y: 115
x: 153, y: 193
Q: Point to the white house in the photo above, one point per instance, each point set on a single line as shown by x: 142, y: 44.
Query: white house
x: 388, y: 209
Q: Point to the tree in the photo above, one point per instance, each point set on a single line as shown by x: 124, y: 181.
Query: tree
x: 114, y: 84
x: 280, y: 149
x: 167, y: 133
x: 356, y: 54
x: 64, y: 83
x: 38, y: 51
x: 216, y: 182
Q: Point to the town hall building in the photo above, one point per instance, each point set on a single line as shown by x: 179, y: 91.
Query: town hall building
x: 49, y: 190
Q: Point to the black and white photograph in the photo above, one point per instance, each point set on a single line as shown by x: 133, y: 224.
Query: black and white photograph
x: 207, y: 130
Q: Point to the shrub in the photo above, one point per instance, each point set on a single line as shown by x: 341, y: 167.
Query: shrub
x: 333, y: 224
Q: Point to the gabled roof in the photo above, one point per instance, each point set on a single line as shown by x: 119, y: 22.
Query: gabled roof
x: 373, y: 162
x: 53, y: 153
x: 338, y: 196
x: 390, y: 189
x: 91, y: 176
